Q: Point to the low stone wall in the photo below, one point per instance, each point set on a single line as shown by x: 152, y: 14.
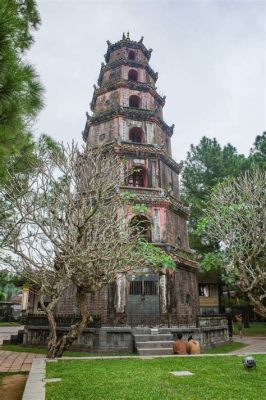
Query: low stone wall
x: 121, y: 339
x: 93, y: 340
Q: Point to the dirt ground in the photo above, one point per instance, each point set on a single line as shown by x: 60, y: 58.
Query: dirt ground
x: 12, y: 386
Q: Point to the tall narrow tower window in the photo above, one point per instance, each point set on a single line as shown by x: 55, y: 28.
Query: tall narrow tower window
x: 134, y: 101
x: 136, y: 135
x: 138, y: 178
x: 133, y: 75
x: 132, y: 55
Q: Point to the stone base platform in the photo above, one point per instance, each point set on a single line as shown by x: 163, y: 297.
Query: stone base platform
x: 122, y: 339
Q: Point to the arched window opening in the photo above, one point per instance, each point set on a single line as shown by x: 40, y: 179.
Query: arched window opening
x: 133, y: 75
x: 131, y: 55
x: 134, y: 101
x: 138, y: 178
x: 136, y: 135
x: 141, y: 226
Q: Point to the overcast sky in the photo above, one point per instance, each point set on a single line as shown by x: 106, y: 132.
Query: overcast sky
x: 210, y: 56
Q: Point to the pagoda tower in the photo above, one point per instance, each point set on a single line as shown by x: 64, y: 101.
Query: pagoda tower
x: 127, y: 111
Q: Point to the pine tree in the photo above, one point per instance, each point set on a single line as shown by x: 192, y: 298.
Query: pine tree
x: 20, y: 88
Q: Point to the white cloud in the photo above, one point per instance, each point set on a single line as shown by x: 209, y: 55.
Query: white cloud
x: 210, y: 56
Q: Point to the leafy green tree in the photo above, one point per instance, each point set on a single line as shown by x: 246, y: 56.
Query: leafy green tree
x: 235, y: 218
x: 206, y: 165
x: 9, y: 284
x: 20, y: 89
x: 258, y: 152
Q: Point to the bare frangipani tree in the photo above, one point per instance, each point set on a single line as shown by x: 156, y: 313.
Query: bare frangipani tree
x: 65, y: 225
x: 236, y: 217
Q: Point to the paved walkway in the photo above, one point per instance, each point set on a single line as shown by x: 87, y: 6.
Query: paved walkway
x: 10, y: 361
x: 255, y: 345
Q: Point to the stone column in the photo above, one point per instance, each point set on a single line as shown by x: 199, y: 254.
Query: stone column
x: 121, y: 293
x: 162, y: 284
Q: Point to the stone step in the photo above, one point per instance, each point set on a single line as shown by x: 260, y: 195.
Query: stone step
x: 151, y: 338
x: 155, y: 352
x: 16, y: 338
x: 154, y: 344
x: 141, y: 331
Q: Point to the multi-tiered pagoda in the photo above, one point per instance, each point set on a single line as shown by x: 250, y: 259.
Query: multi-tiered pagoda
x: 127, y: 111
x: 127, y: 114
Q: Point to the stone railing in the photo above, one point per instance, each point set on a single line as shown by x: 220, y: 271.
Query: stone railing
x: 139, y: 319
x: 210, y: 321
x: 133, y: 320
x: 62, y: 320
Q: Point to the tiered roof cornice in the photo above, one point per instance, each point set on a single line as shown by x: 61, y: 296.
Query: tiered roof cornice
x: 127, y: 42
x: 113, y: 85
x: 132, y: 64
x: 150, y: 149
x: 185, y: 260
x: 131, y: 113
x: 157, y: 197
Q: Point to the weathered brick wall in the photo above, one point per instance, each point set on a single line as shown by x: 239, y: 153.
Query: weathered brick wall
x: 169, y: 179
x: 108, y: 100
x: 176, y: 230
x: 186, y: 292
x: 67, y: 303
x: 162, y: 139
x: 182, y: 299
x: 103, y: 132
x: 98, y: 302
x: 111, y: 74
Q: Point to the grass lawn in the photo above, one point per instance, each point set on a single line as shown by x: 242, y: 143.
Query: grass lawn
x: 43, y: 350
x: 255, y: 329
x: 225, y: 348
x: 9, y: 324
x: 221, y: 378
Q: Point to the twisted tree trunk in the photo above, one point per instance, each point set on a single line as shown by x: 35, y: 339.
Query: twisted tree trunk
x: 53, y: 335
x: 67, y: 340
x: 52, y: 324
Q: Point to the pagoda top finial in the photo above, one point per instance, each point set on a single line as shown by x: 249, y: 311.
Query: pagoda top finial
x: 127, y: 41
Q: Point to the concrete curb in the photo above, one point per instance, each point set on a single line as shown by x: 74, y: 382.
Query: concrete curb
x: 155, y: 356
x: 35, y: 386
